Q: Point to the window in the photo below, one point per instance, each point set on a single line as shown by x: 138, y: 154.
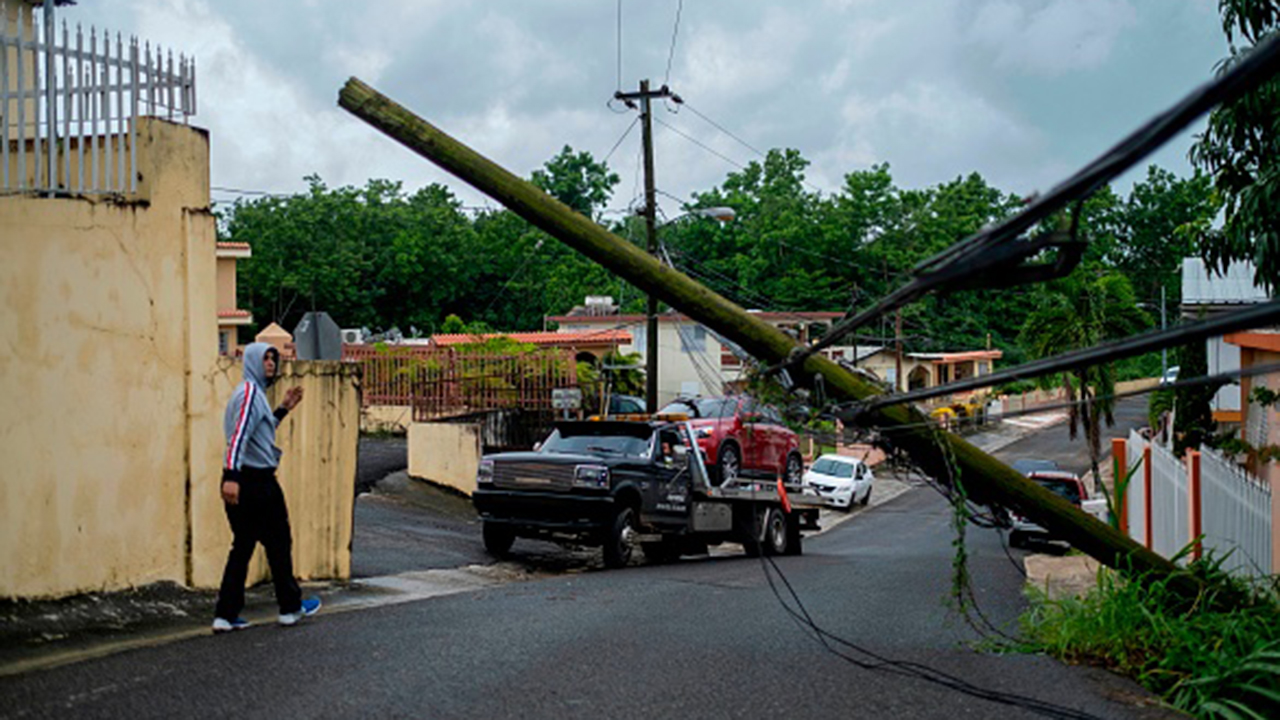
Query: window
x: 692, y: 339
x: 224, y: 342
x: 984, y: 368
x: 638, y: 337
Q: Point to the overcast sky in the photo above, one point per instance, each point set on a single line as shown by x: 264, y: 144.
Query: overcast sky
x: 1022, y: 91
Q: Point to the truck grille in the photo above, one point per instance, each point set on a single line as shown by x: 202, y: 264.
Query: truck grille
x: 532, y: 476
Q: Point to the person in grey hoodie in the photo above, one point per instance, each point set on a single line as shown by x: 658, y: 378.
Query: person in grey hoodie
x: 253, y: 500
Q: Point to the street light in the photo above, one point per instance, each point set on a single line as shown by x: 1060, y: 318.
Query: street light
x: 721, y: 214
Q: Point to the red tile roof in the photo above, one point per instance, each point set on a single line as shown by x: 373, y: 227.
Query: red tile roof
x: 233, y: 246
x: 566, y: 339
x: 233, y: 313
x: 766, y: 315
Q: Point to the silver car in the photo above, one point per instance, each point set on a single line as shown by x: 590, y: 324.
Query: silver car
x: 841, y: 481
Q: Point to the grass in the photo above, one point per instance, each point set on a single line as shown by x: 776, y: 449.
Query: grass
x: 1214, y: 656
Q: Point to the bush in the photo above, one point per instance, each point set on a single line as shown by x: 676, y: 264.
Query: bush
x: 1218, y: 656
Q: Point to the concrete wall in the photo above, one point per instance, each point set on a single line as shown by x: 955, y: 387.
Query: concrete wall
x: 106, y: 306
x: 445, y: 453
x: 386, y: 418
x: 112, y: 425
x: 318, y: 470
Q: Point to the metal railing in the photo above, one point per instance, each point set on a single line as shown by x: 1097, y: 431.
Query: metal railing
x: 67, y: 109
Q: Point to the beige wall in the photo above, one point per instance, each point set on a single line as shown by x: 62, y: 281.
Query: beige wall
x: 317, y: 472
x: 227, y: 283
x: 445, y: 453
x: 386, y: 418
x: 105, y: 307
x: 112, y: 428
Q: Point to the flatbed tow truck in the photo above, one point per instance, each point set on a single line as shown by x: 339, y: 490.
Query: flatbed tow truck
x: 624, y: 482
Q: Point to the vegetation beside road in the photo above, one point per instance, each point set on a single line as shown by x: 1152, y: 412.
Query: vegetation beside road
x: 1214, y: 657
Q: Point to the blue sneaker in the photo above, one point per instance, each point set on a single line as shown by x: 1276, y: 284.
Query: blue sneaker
x: 310, y: 606
x: 222, y: 625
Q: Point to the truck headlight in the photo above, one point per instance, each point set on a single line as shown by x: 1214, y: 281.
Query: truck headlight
x: 595, y: 477
x: 484, y: 475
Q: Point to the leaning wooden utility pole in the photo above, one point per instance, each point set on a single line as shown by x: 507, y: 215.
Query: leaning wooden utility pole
x: 941, y: 454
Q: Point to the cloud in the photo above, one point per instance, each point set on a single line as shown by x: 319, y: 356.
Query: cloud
x: 1050, y: 37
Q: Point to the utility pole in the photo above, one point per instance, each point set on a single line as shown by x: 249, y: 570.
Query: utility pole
x: 645, y: 95
x: 1164, y: 352
x: 897, y: 352
x: 937, y: 452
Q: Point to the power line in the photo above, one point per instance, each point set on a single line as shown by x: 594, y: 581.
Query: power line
x: 998, y: 248
x: 1260, y: 316
x: 625, y: 133
x: 699, y: 143
x: 672, y: 53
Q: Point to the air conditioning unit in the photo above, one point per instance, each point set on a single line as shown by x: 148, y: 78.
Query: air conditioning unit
x: 352, y: 336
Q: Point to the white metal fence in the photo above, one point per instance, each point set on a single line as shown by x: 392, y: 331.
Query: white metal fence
x: 1236, y: 516
x: 1234, y: 507
x: 67, y: 108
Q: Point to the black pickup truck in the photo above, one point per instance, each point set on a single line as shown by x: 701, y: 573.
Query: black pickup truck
x: 622, y: 484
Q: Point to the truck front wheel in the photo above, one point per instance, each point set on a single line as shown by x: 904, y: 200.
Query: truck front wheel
x: 498, y: 538
x: 618, y: 543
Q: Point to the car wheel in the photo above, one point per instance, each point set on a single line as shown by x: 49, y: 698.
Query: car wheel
x: 1016, y: 540
x: 618, y: 545
x: 728, y: 463
x: 776, y: 534
x: 795, y: 470
x: 498, y: 538
x: 866, y: 498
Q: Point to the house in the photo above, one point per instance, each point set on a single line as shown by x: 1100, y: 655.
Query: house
x: 1206, y: 294
x: 693, y: 360
x: 230, y: 316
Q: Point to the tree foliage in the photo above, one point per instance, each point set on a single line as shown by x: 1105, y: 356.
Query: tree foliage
x: 1240, y: 149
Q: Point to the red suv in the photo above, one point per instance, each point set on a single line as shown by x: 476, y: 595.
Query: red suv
x: 742, y: 438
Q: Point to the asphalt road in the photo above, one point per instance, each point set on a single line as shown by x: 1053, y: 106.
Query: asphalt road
x: 700, y: 638
x: 1055, y: 443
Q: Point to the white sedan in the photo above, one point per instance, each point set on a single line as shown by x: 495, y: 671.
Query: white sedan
x: 841, y: 481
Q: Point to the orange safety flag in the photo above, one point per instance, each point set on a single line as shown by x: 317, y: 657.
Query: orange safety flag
x: 782, y: 493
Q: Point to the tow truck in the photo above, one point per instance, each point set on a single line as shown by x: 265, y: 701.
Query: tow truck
x: 622, y: 482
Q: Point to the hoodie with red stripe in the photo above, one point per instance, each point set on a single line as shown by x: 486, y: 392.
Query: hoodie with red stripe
x: 249, y: 423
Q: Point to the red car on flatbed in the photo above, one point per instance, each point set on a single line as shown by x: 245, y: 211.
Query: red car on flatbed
x: 742, y: 438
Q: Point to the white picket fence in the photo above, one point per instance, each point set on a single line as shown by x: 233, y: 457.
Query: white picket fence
x: 67, y: 108
x: 1234, y: 508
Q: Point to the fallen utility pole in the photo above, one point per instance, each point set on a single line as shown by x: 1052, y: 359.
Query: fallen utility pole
x: 941, y: 454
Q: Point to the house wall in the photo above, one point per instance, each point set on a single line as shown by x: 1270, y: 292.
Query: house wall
x: 113, y: 432
x: 227, y: 283
x: 1261, y: 426
x: 445, y: 453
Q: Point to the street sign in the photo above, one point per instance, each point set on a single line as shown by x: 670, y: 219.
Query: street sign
x: 566, y: 398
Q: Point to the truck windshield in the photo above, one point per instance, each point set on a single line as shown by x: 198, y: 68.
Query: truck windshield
x: 602, y: 445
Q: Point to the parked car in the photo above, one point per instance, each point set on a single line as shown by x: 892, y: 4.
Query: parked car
x: 742, y: 438
x: 1066, y: 485
x: 626, y: 405
x: 1170, y: 375
x: 1026, y: 466
x: 841, y: 481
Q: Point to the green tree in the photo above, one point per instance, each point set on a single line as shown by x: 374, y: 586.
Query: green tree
x: 578, y: 181
x: 1079, y: 311
x: 1240, y: 149
x: 1157, y: 228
